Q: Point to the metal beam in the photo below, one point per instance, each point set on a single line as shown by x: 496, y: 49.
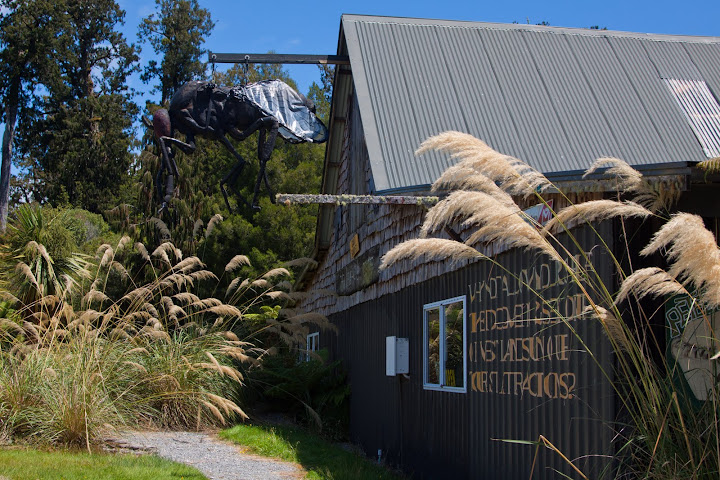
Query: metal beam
x: 278, y: 58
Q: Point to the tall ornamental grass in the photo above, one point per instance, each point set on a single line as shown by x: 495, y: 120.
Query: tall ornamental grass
x: 132, y: 338
x: 662, y: 432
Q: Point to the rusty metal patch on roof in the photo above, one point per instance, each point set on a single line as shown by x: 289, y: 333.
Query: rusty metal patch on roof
x: 701, y: 110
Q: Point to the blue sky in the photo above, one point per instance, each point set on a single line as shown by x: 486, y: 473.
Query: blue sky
x: 312, y: 27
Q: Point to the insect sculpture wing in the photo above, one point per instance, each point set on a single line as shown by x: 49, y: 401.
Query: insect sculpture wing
x: 297, y: 121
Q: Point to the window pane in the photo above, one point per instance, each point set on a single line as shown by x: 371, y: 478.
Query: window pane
x: 454, y: 320
x: 432, y: 366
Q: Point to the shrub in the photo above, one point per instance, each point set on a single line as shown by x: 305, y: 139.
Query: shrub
x: 311, y: 389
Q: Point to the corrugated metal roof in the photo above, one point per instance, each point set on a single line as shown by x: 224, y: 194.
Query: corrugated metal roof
x: 557, y: 98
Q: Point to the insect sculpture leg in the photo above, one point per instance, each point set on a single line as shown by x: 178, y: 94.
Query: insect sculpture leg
x: 166, y: 164
x: 265, y: 149
x: 233, y: 174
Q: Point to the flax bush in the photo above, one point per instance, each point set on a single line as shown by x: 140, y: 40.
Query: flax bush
x: 663, y: 432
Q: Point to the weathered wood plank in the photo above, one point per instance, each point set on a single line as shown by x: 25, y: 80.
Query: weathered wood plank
x: 297, y: 198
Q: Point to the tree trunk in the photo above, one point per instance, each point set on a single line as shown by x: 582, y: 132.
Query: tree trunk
x: 11, y: 109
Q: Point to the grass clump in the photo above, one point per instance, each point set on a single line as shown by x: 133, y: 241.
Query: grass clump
x: 43, y: 465
x: 131, y: 338
x: 322, y: 460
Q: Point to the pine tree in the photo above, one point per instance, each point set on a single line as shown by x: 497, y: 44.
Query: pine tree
x: 176, y: 32
x: 78, y: 141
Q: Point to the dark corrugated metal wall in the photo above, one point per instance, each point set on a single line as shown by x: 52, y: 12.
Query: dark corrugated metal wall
x: 438, y: 434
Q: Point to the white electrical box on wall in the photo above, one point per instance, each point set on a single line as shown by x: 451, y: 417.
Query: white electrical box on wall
x: 397, y: 356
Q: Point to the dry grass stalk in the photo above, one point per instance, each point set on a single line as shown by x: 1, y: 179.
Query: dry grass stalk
x: 430, y: 249
x: 237, y: 261
x: 5, y: 295
x: 278, y: 295
x: 124, y: 241
x: 137, y: 350
x: 276, y: 272
x: 140, y: 315
x: 451, y: 142
x: 196, y: 227
x: 496, y: 223
x: 693, y: 253
x: 107, y: 256
x: 655, y: 194
x: 39, y: 249
x: 260, y: 283
x: 226, y: 310
x: 652, y: 281
x: 462, y: 177
x: 10, y: 325
x: 159, y: 252
x: 142, y: 251
x: 186, y: 297
x: 188, y: 264
x: 177, y: 312
x: 161, y: 226
x: 301, y: 262
x: 120, y: 269
x: 136, y: 365
x: 233, y: 287
x: 177, y: 280
x: 207, y: 303
x: 24, y: 270
x: 314, y: 318
x: 612, y: 326
x: 593, y: 211
x: 138, y: 294
x: 217, y: 218
x: 94, y: 296
x: 458, y: 206
x: 628, y: 179
x: 203, y: 275
x: 512, y: 175
x: 214, y: 411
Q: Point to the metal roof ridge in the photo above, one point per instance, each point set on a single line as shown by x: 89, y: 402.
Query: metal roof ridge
x: 533, y: 28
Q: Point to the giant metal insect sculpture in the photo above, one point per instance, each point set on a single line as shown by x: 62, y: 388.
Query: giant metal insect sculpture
x: 208, y: 110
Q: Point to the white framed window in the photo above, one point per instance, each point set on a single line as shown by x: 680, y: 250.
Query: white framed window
x: 313, y: 344
x: 444, y: 345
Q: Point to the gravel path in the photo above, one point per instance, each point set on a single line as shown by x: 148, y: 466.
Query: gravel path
x: 215, y: 458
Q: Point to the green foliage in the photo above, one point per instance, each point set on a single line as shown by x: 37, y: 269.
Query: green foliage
x: 176, y: 32
x: 312, y: 389
x: 322, y: 459
x: 51, y: 465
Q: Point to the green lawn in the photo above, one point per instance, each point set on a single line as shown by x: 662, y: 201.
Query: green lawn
x: 27, y: 464
x: 322, y: 459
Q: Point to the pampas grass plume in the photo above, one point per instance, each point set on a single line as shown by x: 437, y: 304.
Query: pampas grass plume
x: 431, y: 249
x: 652, y: 281
x: 594, y: 211
x: 693, y: 253
x: 237, y: 261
